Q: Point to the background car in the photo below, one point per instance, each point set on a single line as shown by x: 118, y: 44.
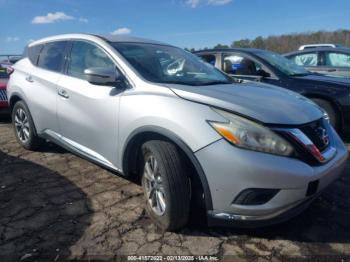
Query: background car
x: 3, y: 96
x: 331, y: 93
x: 5, y: 68
x: 310, y: 46
x: 323, y: 60
x: 9, y: 59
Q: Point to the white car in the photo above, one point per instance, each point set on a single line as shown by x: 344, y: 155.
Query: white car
x: 303, y: 47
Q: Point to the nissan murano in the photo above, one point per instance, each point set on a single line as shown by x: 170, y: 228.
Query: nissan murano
x: 244, y: 153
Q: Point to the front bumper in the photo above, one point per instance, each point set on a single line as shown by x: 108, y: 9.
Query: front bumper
x: 230, y: 170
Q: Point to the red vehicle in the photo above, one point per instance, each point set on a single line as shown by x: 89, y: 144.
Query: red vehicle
x: 5, y: 68
x: 3, y: 95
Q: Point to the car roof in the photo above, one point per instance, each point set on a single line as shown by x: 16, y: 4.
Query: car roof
x: 303, y: 47
x: 223, y: 50
x: 127, y: 38
x: 108, y: 38
x: 317, y: 49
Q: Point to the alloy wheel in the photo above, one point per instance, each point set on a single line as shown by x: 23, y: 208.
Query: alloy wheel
x: 22, y: 125
x: 153, y: 186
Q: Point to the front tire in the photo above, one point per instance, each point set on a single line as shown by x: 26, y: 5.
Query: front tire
x: 24, y: 127
x: 328, y: 107
x: 166, y: 184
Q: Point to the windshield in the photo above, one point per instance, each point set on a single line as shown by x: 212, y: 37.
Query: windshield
x: 167, y: 64
x: 283, y: 64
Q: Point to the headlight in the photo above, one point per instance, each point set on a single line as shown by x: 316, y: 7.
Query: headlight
x: 249, y: 135
x: 326, y: 116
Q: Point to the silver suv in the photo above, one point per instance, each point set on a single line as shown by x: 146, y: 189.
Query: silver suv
x: 245, y: 154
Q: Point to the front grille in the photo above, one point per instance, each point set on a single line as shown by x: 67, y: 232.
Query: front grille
x: 3, y: 95
x: 317, y: 133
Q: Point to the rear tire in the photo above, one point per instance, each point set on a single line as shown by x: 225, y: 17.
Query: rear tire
x: 24, y: 127
x: 166, y: 184
x: 328, y: 107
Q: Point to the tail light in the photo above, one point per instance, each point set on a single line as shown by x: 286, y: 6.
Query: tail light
x: 10, y: 70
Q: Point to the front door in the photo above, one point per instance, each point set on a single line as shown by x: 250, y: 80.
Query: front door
x: 88, y: 113
x: 243, y: 66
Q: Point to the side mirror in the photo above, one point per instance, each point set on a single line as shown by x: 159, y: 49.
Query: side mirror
x: 263, y: 73
x: 102, y: 75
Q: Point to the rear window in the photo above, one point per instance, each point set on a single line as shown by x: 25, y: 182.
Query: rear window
x: 52, y: 55
x: 337, y: 59
x: 33, y: 53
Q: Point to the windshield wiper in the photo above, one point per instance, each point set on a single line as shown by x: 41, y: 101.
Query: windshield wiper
x: 197, y: 83
x: 215, y: 83
x: 300, y: 74
x: 179, y: 83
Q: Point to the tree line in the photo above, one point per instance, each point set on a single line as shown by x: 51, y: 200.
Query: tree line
x: 290, y: 42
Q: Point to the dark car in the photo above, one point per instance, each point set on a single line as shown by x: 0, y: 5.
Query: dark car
x: 331, y: 93
x: 323, y: 60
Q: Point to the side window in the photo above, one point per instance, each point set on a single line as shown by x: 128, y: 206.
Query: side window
x: 211, y: 59
x: 337, y: 59
x: 33, y: 53
x: 52, y: 56
x: 85, y: 55
x: 309, y: 59
x: 237, y: 64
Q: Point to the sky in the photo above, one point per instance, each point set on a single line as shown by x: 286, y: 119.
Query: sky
x: 184, y: 23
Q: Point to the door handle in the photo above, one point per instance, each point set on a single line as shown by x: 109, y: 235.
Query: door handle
x: 63, y: 93
x: 30, y: 79
x: 331, y: 70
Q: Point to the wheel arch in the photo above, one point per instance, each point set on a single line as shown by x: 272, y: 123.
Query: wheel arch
x: 14, y: 99
x: 141, y: 135
x: 332, y: 101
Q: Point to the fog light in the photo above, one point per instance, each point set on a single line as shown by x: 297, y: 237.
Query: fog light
x: 255, y: 196
x: 312, y: 188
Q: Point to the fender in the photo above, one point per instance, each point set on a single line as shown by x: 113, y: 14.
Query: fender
x: 12, y: 99
x: 155, y: 130
x: 331, y: 100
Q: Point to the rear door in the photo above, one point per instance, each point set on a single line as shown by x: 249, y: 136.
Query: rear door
x: 335, y: 63
x: 244, y: 66
x: 88, y: 113
x: 41, y: 83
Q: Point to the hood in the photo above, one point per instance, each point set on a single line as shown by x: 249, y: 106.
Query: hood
x: 327, y: 79
x: 265, y: 103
